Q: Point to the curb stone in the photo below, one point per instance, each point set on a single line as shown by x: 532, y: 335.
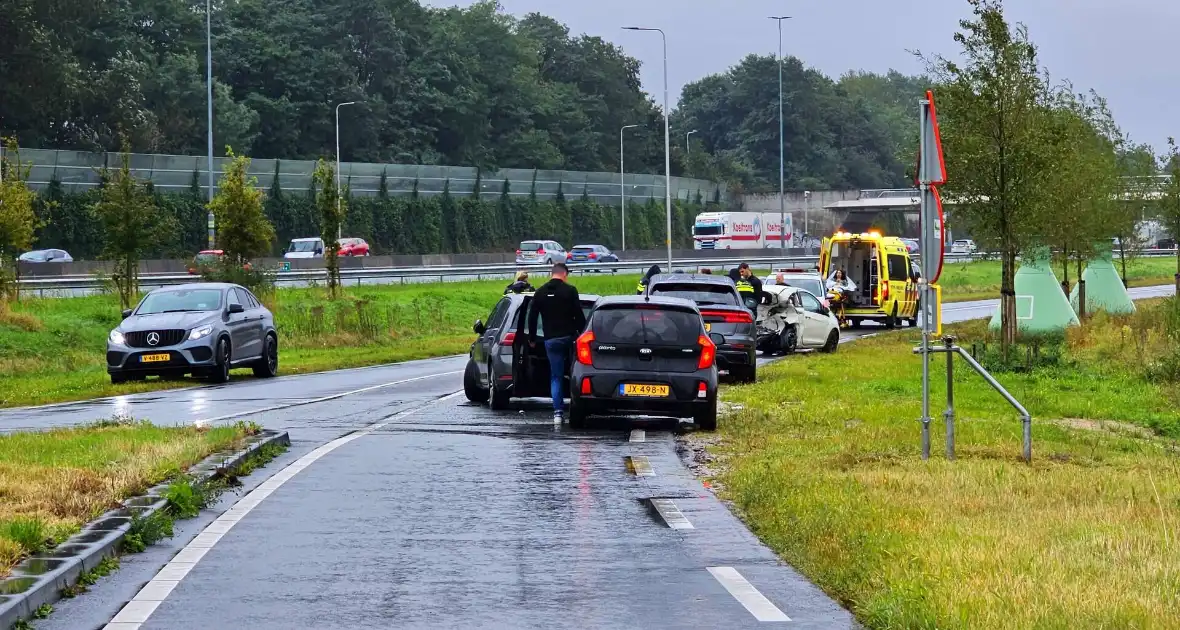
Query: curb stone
x: 40, y: 579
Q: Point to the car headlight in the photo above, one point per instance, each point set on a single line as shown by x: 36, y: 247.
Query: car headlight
x: 197, y: 333
x: 116, y: 337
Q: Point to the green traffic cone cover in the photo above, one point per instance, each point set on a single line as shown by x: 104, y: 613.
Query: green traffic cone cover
x: 1041, y: 304
x: 1104, y: 286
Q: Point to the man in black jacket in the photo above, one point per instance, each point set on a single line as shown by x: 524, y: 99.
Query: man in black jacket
x: 560, y: 309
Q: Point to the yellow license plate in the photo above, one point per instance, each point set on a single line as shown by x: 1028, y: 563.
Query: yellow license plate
x: 155, y: 358
x: 708, y: 327
x: 645, y: 391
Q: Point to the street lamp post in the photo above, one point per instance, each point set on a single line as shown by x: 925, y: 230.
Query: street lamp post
x: 339, y: 226
x: 209, y: 98
x: 667, y: 142
x: 687, y: 146
x: 782, y: 168
x: 623, y: 186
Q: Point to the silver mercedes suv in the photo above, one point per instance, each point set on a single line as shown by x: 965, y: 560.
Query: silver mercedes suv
x: 202, y: 329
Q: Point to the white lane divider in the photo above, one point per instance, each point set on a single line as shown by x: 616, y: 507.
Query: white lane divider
x: 638, y: 435
x: 140, y: 608
x: 747, y: 595
x: 206, y: 421
x: 671, y: 514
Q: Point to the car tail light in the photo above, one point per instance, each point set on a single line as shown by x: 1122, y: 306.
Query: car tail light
x: 702, y: 390
x: 730, y: 317
x: 540, y: 250
x: 586, y: 386
x: 708, y: 352
x: 518, y: 252
x: 509, y: 339
x: 583, y: 348
x: 593, y: 256
x: 569, y: 255
x: 885, y: 292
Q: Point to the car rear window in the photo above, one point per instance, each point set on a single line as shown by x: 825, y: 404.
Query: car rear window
x: 646, y: 326
x: 702, y: 294
x: 583, y: 250
x: 586, y: 308
x: 531, y: 245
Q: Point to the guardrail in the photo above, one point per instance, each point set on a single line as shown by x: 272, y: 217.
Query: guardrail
x: 76, y: 285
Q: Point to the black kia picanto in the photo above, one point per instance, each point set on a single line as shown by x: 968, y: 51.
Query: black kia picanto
x: 644, y: 355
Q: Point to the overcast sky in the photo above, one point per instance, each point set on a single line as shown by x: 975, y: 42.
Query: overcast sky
x: 1123, y: 53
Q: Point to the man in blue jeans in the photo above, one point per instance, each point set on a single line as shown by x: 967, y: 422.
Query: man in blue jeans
x: 560, y: 308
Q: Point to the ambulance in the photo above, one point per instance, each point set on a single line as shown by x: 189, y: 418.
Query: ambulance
x: 739, y: 230
x: 885, y: 278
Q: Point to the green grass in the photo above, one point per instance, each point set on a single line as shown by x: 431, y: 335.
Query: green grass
x: 52, y: 482
x: 966, y: 282
x: 822, y: 461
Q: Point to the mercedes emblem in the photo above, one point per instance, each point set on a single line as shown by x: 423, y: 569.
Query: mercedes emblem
x: 153, y: 338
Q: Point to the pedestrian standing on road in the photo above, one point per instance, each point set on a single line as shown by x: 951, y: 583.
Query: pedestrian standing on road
x: 521, y: 285
x: 560, y: 310
x: 748, y: 285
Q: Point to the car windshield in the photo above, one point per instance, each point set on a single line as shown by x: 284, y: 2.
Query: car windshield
x: 205, y: 258
x: 530, y: 246
x: 34, y: 256
x: 703, y: 294
x: 350, y: 242
x: 707, y: 230
x: 584, y: 250
x: 646, y: 326
x: 180, y: 301
x: 304, y: 246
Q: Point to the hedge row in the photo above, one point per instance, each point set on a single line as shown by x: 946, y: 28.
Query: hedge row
x: 412, y: 224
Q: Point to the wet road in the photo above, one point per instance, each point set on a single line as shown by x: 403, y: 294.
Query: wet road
x: 400, y: 505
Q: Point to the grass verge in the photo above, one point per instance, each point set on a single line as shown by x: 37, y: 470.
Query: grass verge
x: 967, y: 282
x: 53, y: 482
x: 823, y: 464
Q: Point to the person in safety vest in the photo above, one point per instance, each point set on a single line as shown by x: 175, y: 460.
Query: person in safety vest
x: 521, y: 285
x: 652, y: 271
x: 748, y: 285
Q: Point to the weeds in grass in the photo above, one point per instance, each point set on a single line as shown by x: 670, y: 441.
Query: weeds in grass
x: 147, y: 530
x: 28, y: 532
x: 25, y: 322
x: 105, y: 567
x: 43, y: 611
x: 261, y: 457
x: 183, y: 500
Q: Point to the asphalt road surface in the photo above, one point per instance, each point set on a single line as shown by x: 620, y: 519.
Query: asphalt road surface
x: 401, y: 505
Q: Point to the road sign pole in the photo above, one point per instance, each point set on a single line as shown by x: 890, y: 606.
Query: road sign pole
x: 931, y: 173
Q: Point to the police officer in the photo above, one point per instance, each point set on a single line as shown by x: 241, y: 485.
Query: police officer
x: 652, y: 271
x: 748, y: 285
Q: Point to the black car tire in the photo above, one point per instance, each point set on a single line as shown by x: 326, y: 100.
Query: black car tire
x: 832, y: 343
x: 789, y: 341
x: 471, y: 388
x: 220, y: 372
x: 891, y: 321
x: 577, y: 415
x: 497, y: 399
x: 706, y: 419
x: 268, y: 365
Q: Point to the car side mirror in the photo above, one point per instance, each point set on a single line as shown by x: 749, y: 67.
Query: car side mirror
x: 236, y: 308
x: 126, y: 313
x: 800, y: 310
x: 479, y: 328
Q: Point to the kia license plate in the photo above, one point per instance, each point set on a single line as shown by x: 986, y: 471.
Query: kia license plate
x: 644, y: 391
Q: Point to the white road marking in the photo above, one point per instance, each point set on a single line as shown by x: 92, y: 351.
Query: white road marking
x: 206, y: 421
x: 641, y: 467
x: 747, y: 595
x: 638, y: 435
x: 671, y: 514
x: 141, y: 607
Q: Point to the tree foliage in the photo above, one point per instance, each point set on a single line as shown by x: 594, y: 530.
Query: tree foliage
x: 1169, y: 202
x: 330, y: 209
x: 17, y: 218
x: 243, y: 231
x: 132, y: 225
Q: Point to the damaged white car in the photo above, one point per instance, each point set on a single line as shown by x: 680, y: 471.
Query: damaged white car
x: 791, y: 319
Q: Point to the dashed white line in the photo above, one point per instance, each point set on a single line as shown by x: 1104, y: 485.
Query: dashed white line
x: 141, y: 607
x: 207, y: 421
x: 638, y: 435
x: 747, y: 595
x: 671, y: 514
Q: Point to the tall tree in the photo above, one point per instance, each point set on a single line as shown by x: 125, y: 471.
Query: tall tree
x: 331, y: 212
x: 994, y: 116
x: 1169, y: 201
x: 243, y: 231
x: 17, y: 218
x: 132, y: 224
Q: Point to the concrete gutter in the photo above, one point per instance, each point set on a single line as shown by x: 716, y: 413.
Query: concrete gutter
x: 40, y: 579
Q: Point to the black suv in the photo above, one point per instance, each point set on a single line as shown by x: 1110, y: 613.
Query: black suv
x: 728, y: 321
x: 644, y: 355
x: 502, y: 365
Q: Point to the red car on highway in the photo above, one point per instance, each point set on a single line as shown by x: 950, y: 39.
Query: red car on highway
x: 353, y: 247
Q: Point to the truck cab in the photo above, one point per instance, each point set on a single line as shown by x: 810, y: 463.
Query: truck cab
x: 880, y: 266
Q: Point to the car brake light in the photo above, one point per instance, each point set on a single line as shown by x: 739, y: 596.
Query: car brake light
x: 518, y: 252
x: 540, y: 250
x: 568, y: 255
x: 708, y: 352
x: 702, y: 390
x: 593, y: 256
x: 586, y: 386
x: 884, y: 291
x: 583, y: 347
x: 509, y: 339
x: 730, y: 317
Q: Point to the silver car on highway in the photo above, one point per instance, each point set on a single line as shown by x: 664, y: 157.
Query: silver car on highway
x: 203, y: 329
